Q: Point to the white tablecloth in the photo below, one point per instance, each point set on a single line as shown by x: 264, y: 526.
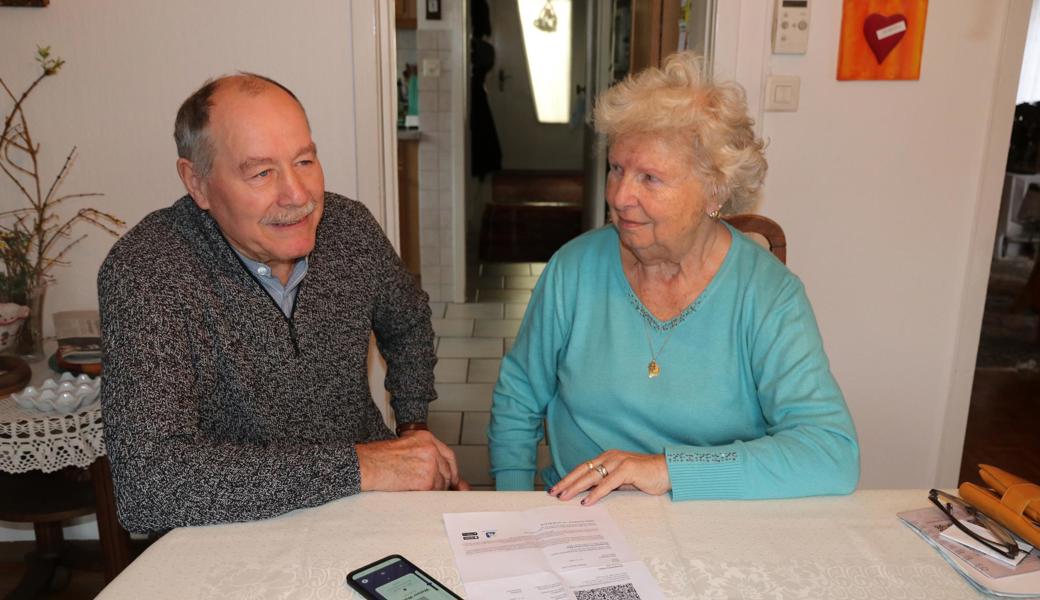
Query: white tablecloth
x: 815, y: 548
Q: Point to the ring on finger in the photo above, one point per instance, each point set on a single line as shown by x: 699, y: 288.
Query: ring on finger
x: 602, y: 471
x: 591, y: 466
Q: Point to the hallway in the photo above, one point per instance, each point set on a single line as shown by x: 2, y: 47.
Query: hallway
x: 471, y: 340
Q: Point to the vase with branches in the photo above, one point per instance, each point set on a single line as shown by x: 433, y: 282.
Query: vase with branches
x: 37, y: 237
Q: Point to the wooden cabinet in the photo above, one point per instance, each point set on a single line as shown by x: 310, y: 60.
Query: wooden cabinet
x: 404, y: 14
x: 655, y: 32
x: 408, y: 203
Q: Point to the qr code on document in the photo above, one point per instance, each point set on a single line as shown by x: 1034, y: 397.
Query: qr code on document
x: 624, y: 591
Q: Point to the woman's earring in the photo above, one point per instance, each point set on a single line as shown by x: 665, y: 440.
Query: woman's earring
x: 714, y: 214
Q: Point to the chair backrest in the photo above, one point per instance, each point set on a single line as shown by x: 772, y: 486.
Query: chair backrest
x: 763, y: 230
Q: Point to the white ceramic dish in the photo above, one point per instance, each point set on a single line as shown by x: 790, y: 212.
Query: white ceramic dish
x: 67, y: 394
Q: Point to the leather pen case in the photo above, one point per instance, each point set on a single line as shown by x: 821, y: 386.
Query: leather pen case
x: 1011, y: 501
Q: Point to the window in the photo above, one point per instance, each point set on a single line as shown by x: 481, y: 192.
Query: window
x: 546, y: 26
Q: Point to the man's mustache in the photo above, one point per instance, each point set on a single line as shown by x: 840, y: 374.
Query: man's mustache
x: 290, y: 215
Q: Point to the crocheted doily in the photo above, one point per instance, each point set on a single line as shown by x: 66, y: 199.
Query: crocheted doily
x: 47, y: 442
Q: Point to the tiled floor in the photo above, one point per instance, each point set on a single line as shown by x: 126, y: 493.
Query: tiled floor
x: 472, y: 338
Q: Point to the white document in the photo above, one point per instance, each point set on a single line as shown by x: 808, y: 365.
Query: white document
x: 553, y: 553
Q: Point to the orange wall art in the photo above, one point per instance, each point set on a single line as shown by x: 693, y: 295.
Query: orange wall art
x: 881, y: 39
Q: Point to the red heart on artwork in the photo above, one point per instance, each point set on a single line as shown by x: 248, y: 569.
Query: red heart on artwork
x: 884, y: 33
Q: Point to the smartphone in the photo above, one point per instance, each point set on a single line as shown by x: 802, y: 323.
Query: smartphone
x: 396, y: 578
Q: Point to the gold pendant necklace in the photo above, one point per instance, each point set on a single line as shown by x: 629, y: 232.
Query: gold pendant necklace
x: 653, y: 369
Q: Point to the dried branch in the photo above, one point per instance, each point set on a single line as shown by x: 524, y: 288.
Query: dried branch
x: 34, y: 234
x: 13, y: 213
x: 18, y: 183
x: 58, y: 259
x: 61, y: 199
x: 61, y: 174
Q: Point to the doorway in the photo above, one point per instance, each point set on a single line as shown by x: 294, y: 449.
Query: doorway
x: 526, y: 134
x: 1002, y: 420
x: 536, y: 174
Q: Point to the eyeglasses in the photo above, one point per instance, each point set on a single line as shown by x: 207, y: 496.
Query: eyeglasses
x: 1003, y: 542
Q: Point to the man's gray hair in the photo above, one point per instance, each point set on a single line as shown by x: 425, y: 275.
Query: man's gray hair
x: 190, y: 130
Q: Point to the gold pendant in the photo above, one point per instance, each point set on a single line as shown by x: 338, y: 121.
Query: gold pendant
x: 652, y: 370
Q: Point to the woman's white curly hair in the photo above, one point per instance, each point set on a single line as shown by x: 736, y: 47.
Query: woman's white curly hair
x: 677, y: 102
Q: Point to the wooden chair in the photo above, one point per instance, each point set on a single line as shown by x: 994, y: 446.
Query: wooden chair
x: 763, y: 230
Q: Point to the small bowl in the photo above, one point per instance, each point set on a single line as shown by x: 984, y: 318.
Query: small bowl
x: 87, y: 394
x: 24, y: 399
x: 66, y: 402
x: 45, y: 401
x: 67, y: 394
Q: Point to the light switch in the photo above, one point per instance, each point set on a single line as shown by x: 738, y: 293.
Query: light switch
x: 782, y: 92
x: 431, y: 67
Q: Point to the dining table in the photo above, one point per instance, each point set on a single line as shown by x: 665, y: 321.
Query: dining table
x: 830, y: 547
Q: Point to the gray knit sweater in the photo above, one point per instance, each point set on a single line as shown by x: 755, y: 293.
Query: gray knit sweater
x: 217, y: 407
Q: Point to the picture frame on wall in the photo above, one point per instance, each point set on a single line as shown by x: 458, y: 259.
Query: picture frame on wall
x: 881, y: 39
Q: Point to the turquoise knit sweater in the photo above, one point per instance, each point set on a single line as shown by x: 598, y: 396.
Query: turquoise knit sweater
x: 745, y: 405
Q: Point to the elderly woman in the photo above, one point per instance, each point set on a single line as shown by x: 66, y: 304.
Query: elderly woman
x: 667, y: 351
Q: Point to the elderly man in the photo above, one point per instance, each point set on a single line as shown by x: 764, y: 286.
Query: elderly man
x: 236, y: 326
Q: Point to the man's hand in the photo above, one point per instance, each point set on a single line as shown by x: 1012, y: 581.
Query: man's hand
x: 415, y: 461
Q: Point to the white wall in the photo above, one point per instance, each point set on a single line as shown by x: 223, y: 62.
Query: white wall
x: 443, y: 117
x: 130, y: 64
x: 887, y: 193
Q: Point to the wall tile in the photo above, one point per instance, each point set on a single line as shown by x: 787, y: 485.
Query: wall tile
x: 453, y: 347
x: 474, y: 427
x: 504, y: 295
x: 437, y: 309
x: 463, y: 396
x: 433, y: 276
x: 429, y: 181
x: 453, y: 327
x: 515, y: 311
x: 430, y: 161
x: 474, y: 310
x: 490, y: 282
x: 483, y: 370
x: 427, y: 39
x: 496, y: 327
x: 445, y: 425
x: 429, y: 236
x: 473, y: 464
x: 521, y: 282
x: 451, y: 370
x: 505, y: 269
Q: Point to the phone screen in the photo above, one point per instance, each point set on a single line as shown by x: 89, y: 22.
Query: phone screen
x: 394, y: 578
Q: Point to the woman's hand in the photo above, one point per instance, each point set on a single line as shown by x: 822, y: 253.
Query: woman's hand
x: 644, y: 472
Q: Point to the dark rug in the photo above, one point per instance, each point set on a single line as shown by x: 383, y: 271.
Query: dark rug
x: 1009, y: 338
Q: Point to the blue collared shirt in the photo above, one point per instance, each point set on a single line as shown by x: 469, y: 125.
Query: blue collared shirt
x: 283, y: 295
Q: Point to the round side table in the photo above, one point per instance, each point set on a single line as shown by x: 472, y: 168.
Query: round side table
x: 40, y: 453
